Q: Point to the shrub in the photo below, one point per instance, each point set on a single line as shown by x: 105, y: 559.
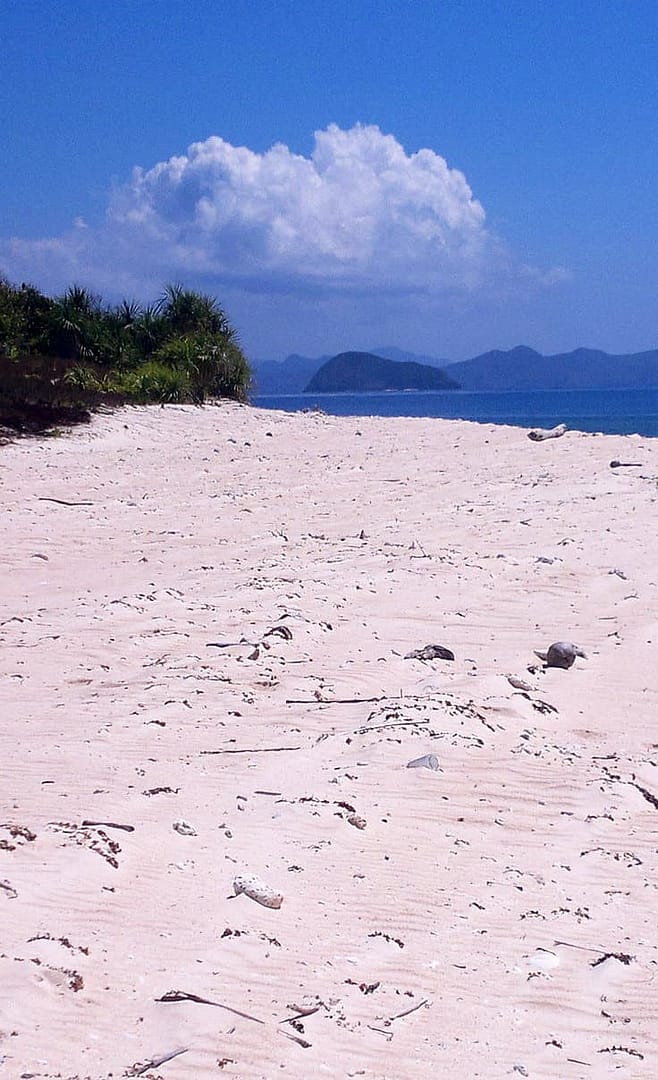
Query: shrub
x: 73, y: 353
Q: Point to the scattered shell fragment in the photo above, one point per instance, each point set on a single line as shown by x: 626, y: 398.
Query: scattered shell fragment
x: 184, y: 828
x: 280, y: 631
x: 431, y: 652
x: 357, y: 821
x: 561, y: 654
x: 518, y: 684
x: 543, y: 960
x: 257, y: 890
x: 427, y: 761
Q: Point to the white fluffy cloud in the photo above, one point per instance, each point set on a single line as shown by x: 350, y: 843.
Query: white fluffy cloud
x: 359, y: 213
x: 387, y: 245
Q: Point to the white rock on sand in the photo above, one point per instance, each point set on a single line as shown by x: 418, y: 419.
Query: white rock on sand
x: 494, y: 916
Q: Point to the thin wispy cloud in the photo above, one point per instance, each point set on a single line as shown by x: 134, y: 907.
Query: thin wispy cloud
x: 358, y: 213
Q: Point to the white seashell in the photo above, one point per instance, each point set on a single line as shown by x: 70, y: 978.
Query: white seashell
x: 543, y: 960
x: 427, y: 761
x: 257, y: 890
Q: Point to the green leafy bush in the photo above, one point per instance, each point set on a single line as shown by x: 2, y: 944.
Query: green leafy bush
x: 74, y: 353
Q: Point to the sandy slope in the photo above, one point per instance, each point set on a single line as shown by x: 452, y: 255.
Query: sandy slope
x: 508, y: 899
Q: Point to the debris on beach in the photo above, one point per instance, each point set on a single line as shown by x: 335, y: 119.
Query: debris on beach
x: 356, y: 820
x: 539, y: 435
x: 257, y: 890
x: 280, y: 631
x: 427, y: 761
x: 519, y: 684
x: 431, y: 652
x: 184, y: 828
x: 561, y: 654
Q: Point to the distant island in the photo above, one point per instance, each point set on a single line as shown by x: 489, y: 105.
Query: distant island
x: 359, y: 372
x: 502, y: 371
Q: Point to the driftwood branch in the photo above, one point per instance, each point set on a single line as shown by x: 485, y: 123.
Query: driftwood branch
x: 108, y: 825
x: 182, y: 995
x: 553, y: 433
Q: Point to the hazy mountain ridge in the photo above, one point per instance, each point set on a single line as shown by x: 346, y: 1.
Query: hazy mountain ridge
x: 521, y: 368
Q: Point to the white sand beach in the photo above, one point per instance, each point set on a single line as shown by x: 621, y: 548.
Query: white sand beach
x: 204, y: 626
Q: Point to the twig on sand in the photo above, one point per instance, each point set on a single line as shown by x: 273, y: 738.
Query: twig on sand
x: 385, y: 727
x: 645, y: 794
x: 407, y: 1012
x: 337, y: 701
x: 301, y: 1014
x: 296, y: 1038
x: 155, y: 1062
x: 62, y: 502
x: 583, y: 948
x: 380, y: 1031
x: 108, y: 825
x: 182, y: 995
x: 255, y: 750
x: 229, y: 644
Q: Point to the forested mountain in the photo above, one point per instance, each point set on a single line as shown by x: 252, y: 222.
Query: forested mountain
x: 363, y: 371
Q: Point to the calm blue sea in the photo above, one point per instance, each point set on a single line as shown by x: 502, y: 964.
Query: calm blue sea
x: 615, y: 412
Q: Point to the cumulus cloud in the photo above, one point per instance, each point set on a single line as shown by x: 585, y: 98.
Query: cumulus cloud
x: 358, y: 213
x: 383, y: 241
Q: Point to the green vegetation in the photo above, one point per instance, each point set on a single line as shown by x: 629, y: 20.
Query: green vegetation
x: 61, y: 357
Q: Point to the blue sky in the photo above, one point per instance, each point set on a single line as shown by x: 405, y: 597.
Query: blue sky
x: 446, y: 177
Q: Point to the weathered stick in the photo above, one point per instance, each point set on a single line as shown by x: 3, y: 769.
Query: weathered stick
x: 62, y: 502
x: 154, y: 1062
x: 259, y: 750
x: 229, y: 644
x: 295, y: 1038
x: 337, y: 701
x: 109, y: 825
x: 554, y: 433
x: 182, y: 995
x: 646, y: 794
x: 385, y: 727
x: 407, y: 1012
x: 301, y: 1015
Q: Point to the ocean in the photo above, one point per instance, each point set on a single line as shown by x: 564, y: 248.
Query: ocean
x: 613, y: 412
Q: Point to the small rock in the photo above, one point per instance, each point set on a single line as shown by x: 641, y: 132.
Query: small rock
x: 561, y: 654
x: 431, y: 652
x: 356, y: 821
